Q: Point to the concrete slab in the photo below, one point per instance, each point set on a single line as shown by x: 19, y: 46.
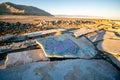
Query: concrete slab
x: 103, y: 35
x: 110, y: 45
x: 17, y: 46
x: 2, y: 66
x: 84, y: 31
x: 39, y: 33
x: 77, y: 69
x: 115, y: 59
x: 112, y: 48
x: 23, y: 57
x: 67, y: 46
x: 6, y: 37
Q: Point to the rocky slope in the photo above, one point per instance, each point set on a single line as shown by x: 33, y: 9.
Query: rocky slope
x: 10, y: 8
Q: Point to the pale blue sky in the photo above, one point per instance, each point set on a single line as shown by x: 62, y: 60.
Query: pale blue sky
x: 105, y: 8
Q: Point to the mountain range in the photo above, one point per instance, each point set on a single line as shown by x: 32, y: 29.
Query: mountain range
x: 8, y: 8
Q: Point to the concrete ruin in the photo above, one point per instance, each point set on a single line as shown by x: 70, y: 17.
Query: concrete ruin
x: 17, y: 46
x: 81, y: 57
x: 23, y: 57
x: 62, y: 70
x: 67, y: 46
x: 40, y: 33
x: 83, y: 31
x: 6, y: 37
x: 102, y: 36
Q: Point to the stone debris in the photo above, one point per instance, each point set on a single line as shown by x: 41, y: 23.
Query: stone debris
x: 34, y: 34
x: 84, y: 31
x: 15, y: 28
x: 77, y: 69
x: 24, y: 57
x: 16, y: 46
x: 6, y: 37
x: 67, y: 46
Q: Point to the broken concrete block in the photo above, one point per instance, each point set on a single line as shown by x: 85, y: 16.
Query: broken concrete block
x: 112, y: 48
x: 23, y: 57
x: 18, y: 38
x: 114, y: 59
x: 17, y: 46
x: 6, y: 37
x: 2, y: 64
x: 76, y: 69
x: 103, y: 35
x: 34, y: 34
x: 67, y: 46
x: 84, y: 31
x: 110, y: 45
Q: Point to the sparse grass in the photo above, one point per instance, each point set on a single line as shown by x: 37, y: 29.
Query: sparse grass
x: 39, y: 23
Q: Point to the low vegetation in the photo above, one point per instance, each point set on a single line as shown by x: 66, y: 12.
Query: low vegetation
x: 38, y: 23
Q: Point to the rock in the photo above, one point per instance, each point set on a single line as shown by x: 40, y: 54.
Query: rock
x: 23, y: 57
x: 67, y: 46
x: 77, y: 69
x: 103, y: 35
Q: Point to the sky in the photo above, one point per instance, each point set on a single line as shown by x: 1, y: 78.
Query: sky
x: 103, y: 8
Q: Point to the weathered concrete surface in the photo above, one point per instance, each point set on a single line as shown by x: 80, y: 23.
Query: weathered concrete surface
x: 62, y: 70
x: 84, y: 31
x: 17, y: 46
x: 110, y: 45
x: 112, y: 48
x: 6, y: 37
x: 23, y: 57
x: 115, y: 59
x: 34, y: 34
x: 67, y: 46
x: 102, y: 36
x: 2, y: 66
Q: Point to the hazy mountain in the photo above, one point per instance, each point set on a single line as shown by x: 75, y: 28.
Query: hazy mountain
x: 10, y: 8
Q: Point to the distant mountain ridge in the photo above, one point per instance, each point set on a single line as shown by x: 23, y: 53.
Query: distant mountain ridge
x: 14, y: 9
